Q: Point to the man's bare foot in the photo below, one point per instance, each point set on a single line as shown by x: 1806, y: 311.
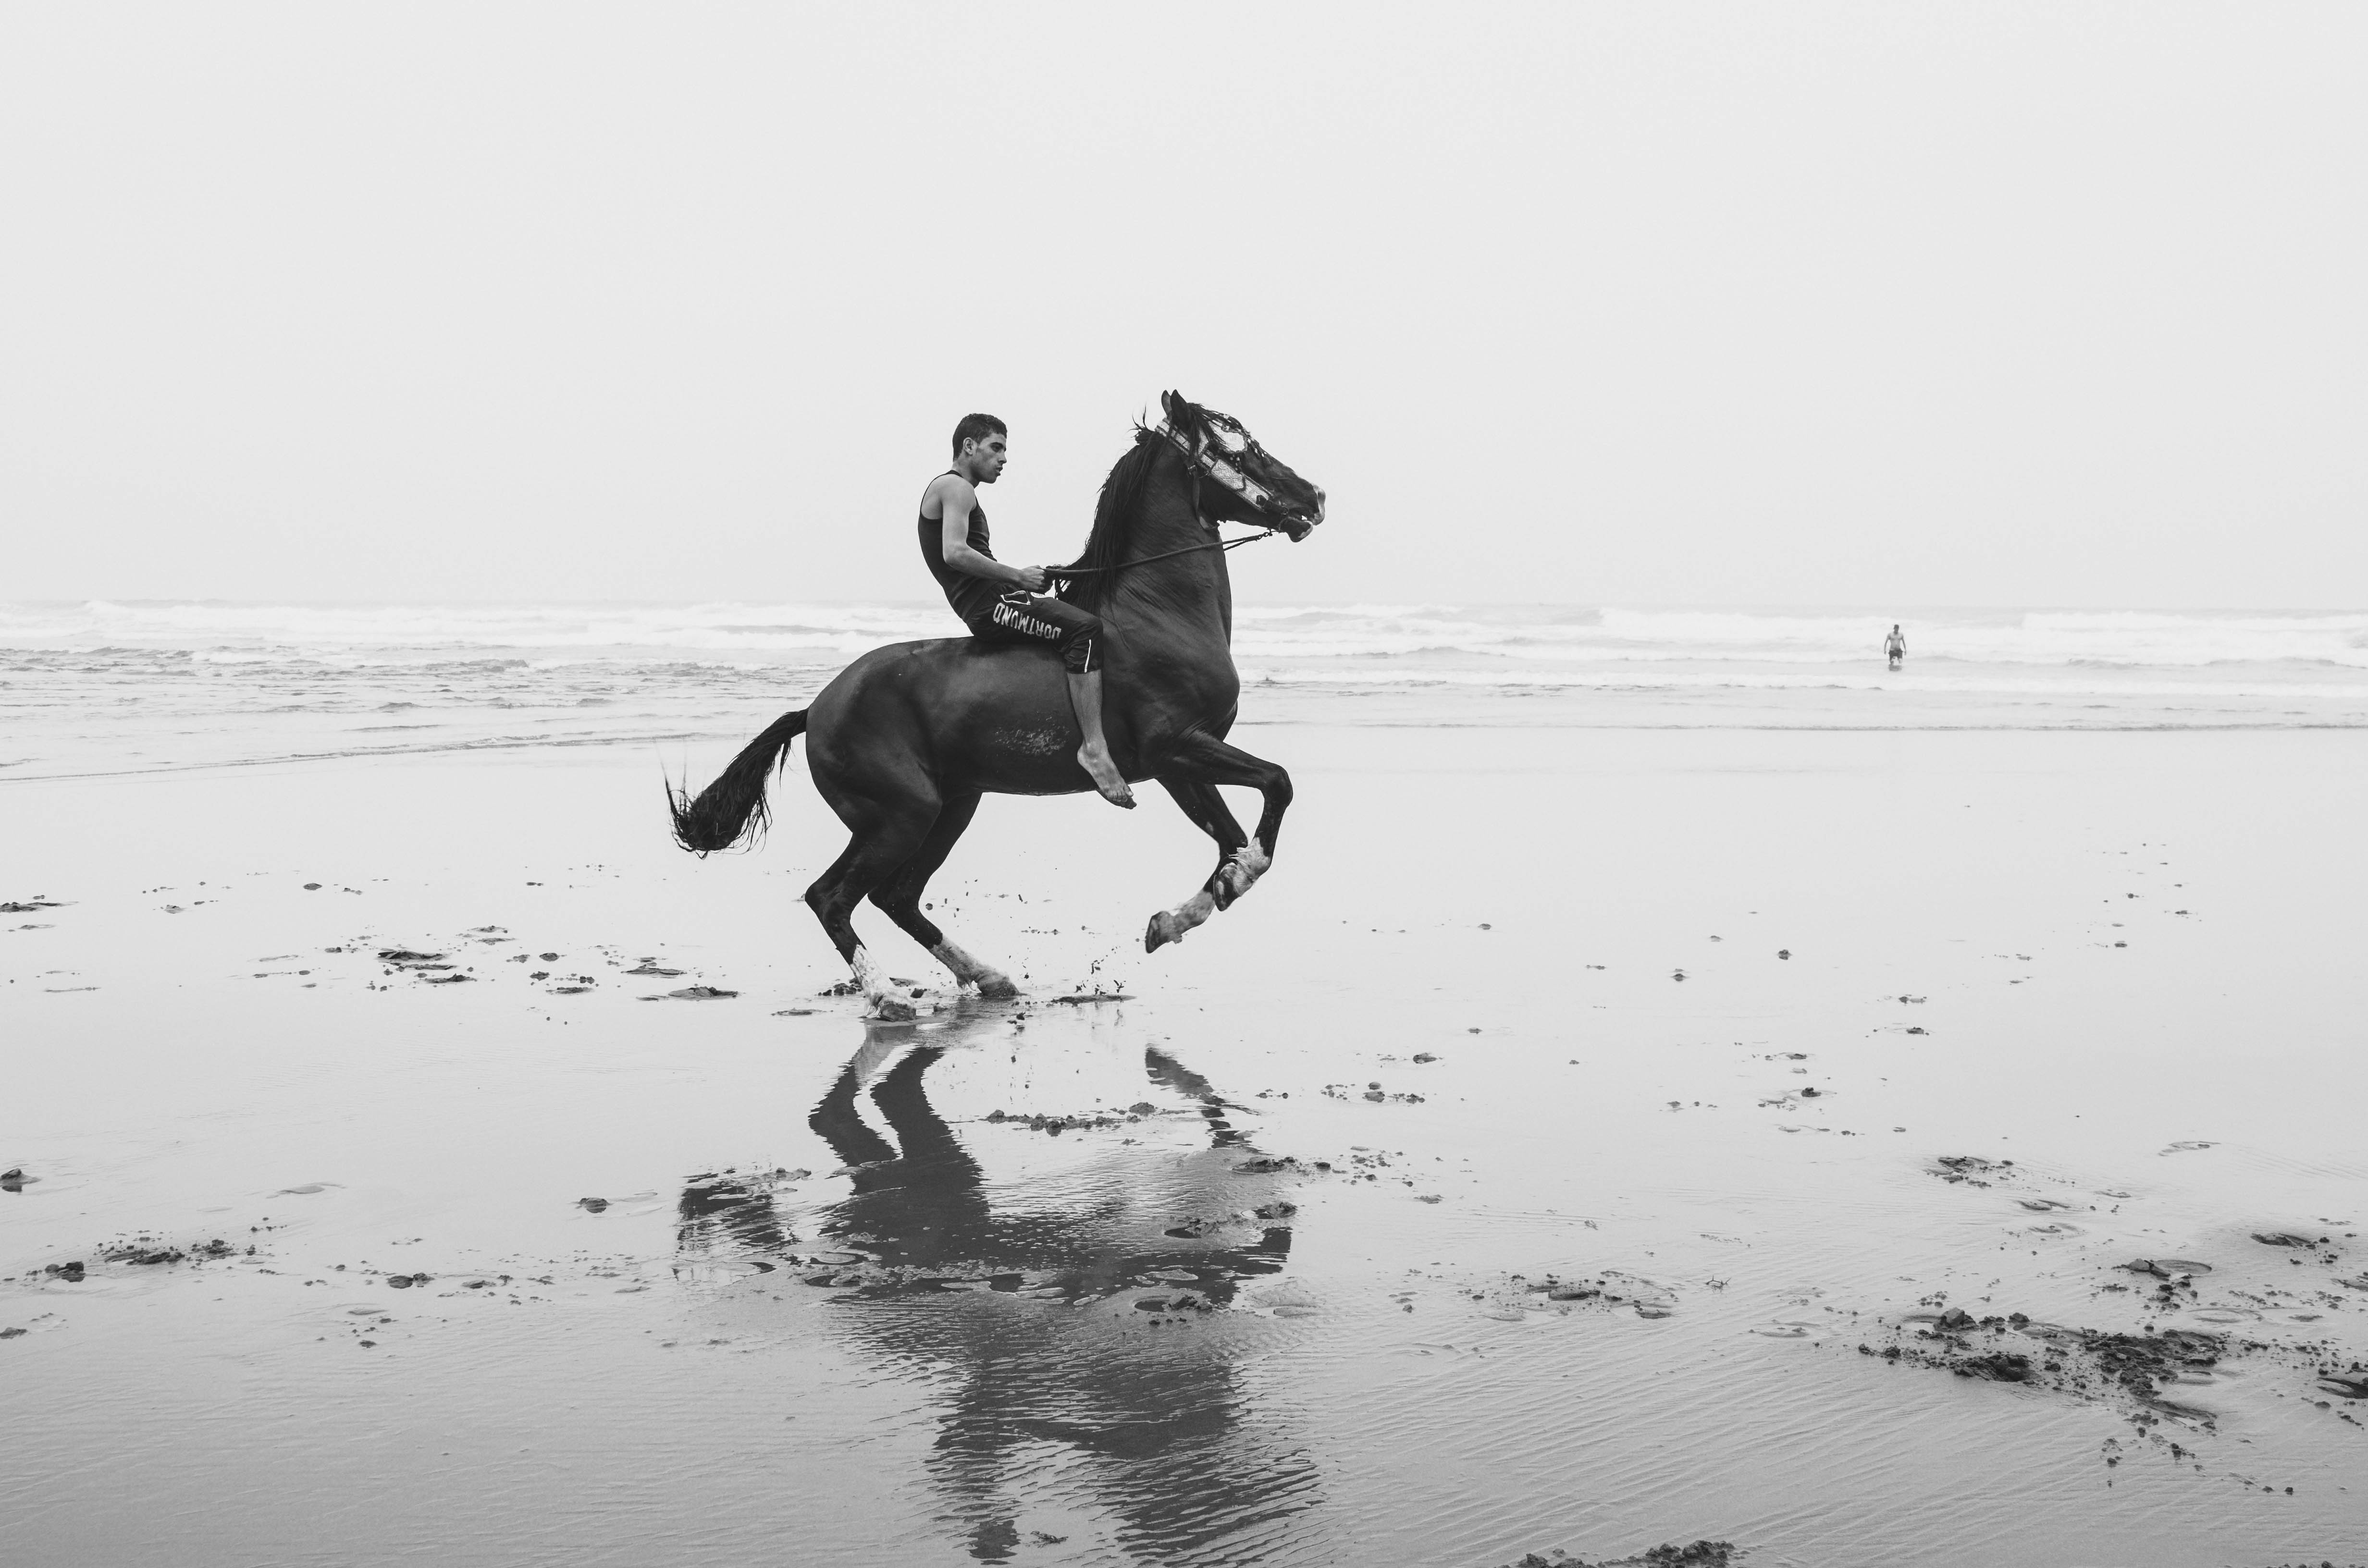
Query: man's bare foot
x: 1106, y: 776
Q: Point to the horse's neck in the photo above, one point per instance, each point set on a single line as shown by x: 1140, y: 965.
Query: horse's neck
x: 1190, y: 588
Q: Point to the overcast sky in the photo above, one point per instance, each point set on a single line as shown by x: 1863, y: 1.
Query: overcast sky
x: 1879, y: 305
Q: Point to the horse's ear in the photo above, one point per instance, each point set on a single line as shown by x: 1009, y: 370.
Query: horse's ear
x: 1169, y: 400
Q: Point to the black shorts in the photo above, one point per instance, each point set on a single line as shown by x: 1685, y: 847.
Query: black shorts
x: 1038, y: 617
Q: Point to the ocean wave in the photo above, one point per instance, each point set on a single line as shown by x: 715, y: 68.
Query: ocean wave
x: 1744, y: 680
x: 466, y: 636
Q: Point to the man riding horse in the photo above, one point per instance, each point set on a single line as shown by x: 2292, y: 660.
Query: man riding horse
x: 905, y: 740
x: 954, y: 546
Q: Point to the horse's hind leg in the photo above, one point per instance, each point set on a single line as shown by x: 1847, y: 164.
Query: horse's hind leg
x: 900, y: 896
x: 884, y: 839
x: 1205, y: 761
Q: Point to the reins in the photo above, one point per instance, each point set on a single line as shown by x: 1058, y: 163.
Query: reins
x: 1145, y: 561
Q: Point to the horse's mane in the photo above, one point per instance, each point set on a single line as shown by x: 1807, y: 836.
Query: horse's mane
x: 1114, y: 515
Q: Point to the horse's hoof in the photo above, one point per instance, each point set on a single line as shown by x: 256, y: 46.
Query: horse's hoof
x: 892, y: 1010
x: 1156, y: 935
x: 997, y: 988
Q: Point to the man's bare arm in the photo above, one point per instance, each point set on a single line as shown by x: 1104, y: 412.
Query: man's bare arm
x: 956, y: 498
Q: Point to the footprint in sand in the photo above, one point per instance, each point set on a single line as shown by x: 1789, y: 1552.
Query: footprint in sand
x: 2186, y: 1143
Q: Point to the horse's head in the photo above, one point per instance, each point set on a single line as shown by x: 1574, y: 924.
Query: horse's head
x: 1252, y: 485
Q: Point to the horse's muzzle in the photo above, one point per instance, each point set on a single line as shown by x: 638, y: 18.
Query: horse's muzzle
x: 1300, y: 527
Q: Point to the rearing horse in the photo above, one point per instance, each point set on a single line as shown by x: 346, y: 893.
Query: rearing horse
x: 904, y: 741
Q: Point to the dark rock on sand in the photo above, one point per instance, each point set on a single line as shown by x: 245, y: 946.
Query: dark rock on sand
x: 1700, y: 1554
x: 2081, y: 1361
x: 2167, y: 1267
x: 69, y: 1272
x: 593, y: 1205
x: 689, y: 993
x: 2284, y: 1239
x: 144, y: 1252
x: 1969, y: 1169
x: 1998, y: 1367
x: 13, y: 1179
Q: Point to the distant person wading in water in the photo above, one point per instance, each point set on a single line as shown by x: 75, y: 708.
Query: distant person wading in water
x: 1007, y: 603
x: 1894, y: 648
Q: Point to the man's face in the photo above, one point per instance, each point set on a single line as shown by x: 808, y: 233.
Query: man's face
x: 987, y: 455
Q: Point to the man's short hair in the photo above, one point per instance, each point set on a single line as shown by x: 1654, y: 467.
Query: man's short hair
x: 976, y: 428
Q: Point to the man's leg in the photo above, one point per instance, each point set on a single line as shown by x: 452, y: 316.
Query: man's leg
x: 1076, y: 631
x: 1085, y: 696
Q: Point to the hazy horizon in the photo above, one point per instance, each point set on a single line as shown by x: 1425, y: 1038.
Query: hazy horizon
x: 924, y: 600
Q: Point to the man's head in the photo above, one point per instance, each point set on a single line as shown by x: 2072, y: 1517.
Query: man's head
x: 981, y: 447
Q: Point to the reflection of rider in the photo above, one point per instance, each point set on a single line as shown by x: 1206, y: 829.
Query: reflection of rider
x: 1151, y: 1422
x: 1006, y: 604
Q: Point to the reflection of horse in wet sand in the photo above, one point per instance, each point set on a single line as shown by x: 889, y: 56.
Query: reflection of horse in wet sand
x: 1091, y: 1372
x: 904, y: 742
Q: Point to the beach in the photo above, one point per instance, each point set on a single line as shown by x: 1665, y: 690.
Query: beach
x: 1678, y: 1083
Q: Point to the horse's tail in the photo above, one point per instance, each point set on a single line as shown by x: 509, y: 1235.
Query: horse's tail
x: 731, y: 809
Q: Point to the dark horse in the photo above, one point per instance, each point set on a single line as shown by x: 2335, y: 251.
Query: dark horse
x: 904, y: 741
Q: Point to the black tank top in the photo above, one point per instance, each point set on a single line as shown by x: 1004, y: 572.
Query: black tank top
x: 972, y: 597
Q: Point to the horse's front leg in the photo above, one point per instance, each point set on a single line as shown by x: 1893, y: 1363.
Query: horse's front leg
x: 1209, y: 814
x: 1193, y: 774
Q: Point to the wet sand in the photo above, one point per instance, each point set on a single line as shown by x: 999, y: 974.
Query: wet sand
x: 1700, y: 1058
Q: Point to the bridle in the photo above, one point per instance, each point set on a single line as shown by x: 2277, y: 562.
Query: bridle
x: 1204, y: 462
